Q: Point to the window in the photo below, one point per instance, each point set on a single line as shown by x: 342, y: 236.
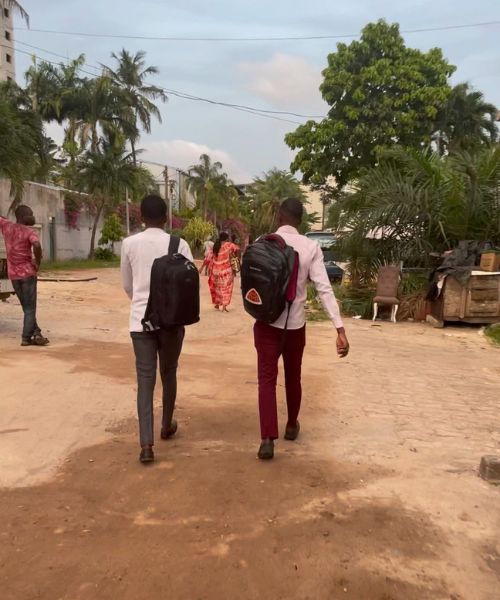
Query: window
x: 7, y: 36
x: 6, y: 12
x: 8, y: 58
x: 9, y: 78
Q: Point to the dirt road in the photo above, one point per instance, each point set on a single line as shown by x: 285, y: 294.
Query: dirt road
x: 378, y: 500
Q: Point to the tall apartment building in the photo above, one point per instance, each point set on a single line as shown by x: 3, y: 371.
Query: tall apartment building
x: 7, y: 60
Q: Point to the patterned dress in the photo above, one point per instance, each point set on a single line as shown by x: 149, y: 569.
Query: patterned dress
x: 221, y: 278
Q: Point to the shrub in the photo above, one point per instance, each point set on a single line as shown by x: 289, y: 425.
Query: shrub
x: 74, y: 203
x: 493, y: 333
x: 103, y: 253
x: 197, y: 231
x: 112, y: 232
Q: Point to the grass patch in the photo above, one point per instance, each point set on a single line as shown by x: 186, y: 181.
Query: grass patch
x: 355, y: 301
x: 316, y: 314
x: 79, y: 264
x: 493, y: 334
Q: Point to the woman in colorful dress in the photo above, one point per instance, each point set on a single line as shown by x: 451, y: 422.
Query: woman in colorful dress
x: 221, y: 276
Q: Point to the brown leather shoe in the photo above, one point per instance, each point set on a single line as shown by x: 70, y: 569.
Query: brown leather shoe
x: 266, y: 450
x: 171, y: 431
x: 147, y: 455
x: 39, y: 340
x: 292, y: 433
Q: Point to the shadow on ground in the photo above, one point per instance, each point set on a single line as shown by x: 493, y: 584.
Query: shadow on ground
x: 206, y: 521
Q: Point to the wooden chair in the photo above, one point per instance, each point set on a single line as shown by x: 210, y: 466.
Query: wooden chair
x: 387, y: 290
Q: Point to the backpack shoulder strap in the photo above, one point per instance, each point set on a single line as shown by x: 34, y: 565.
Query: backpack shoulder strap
x: 174, y: 244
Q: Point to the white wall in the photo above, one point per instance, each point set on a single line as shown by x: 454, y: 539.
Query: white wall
x: 48, y: 201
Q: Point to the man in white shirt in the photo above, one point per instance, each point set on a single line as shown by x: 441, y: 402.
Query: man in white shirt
x: 271, y: 341
x: 138, y: 254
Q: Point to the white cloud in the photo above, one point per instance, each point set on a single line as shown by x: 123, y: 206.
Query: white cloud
x: 286, y: 82
x: 182, y: 154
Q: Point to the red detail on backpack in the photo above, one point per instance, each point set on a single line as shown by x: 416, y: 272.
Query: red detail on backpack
x: 253, y: 297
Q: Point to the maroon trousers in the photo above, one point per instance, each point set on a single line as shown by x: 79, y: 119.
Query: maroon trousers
x: 271, y: 343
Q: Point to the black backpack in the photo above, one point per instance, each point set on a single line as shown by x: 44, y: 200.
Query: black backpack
x: 174, y: 293
x: 269, y: 271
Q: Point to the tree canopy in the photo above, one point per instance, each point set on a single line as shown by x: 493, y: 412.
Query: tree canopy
x: 380, y: 93
x: 266, y: 195
x: 416, y: 202
x: 467, y: 120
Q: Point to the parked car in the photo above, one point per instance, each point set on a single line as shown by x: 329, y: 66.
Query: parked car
x: 327, y: 241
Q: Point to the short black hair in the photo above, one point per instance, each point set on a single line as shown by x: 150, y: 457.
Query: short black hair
x: 23, y: 211
x: 293, y: 209
x: 153, y: 208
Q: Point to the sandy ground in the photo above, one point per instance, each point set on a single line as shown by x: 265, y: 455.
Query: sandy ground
x: 379, y: 499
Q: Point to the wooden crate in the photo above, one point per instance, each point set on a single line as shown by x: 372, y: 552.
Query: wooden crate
x: 478, y: 301
x: 490, y: 261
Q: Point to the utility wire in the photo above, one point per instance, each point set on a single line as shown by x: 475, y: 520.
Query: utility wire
x: 251, y: 39
x: 50, y: 53
x: 260, y: 112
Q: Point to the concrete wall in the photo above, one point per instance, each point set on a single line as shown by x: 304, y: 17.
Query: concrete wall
x: 48, y: 202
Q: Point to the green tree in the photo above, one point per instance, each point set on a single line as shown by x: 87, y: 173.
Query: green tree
x: 266, y: 195
x: 205, y: 181
x: 112, y: 232
x: 130, y: 76
x: 416, y: 202
x: 467, y: 120
x: 197, y: 231
x: 43, y: 88
x: 98, y: 110
x: 380, y: 93
x: 21, y: 139
x: 106, y: 174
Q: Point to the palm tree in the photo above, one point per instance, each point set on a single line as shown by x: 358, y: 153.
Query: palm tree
x: 97, y: 108
x: 468, y: 119
x: 266, y: 195
x: 130, y: 76
x: 105, y: 174
x: 416, y: 202
x: 205, y: 181
x: 21, y: 138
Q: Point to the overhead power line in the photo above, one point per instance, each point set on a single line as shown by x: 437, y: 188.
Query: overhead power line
x: 260, y: 112
x: 251, y: 39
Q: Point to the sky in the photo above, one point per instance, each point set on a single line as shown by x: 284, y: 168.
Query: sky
x: 281, y: 75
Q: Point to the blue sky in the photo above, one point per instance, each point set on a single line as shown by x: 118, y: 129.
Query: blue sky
x: 280, y: 75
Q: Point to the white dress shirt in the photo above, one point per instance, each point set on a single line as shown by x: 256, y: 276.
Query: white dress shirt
x: 311, y: 268
x: 138, y: 254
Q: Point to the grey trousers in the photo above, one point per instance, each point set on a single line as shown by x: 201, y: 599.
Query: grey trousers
x: 149, y: 346
x: 26, y: 292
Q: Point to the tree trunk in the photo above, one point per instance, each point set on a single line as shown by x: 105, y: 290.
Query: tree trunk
x: 134, y: 152
x: 94, y: 228
x: 94, y: 142
x: 205, y: 205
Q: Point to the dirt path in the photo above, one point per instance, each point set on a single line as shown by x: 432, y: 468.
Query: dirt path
x: 378, y: 500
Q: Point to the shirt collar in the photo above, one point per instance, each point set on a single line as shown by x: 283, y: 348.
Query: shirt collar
x: 287, y: 229
x: 154, y: 230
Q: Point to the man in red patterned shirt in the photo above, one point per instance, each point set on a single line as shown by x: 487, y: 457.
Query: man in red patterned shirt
x: 24, y: 255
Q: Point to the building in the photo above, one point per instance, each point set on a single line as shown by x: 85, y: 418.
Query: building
x: 178, y: 191
x: 7, y: 59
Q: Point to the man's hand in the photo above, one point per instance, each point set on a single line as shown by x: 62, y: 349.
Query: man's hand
x: 342, y: 344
